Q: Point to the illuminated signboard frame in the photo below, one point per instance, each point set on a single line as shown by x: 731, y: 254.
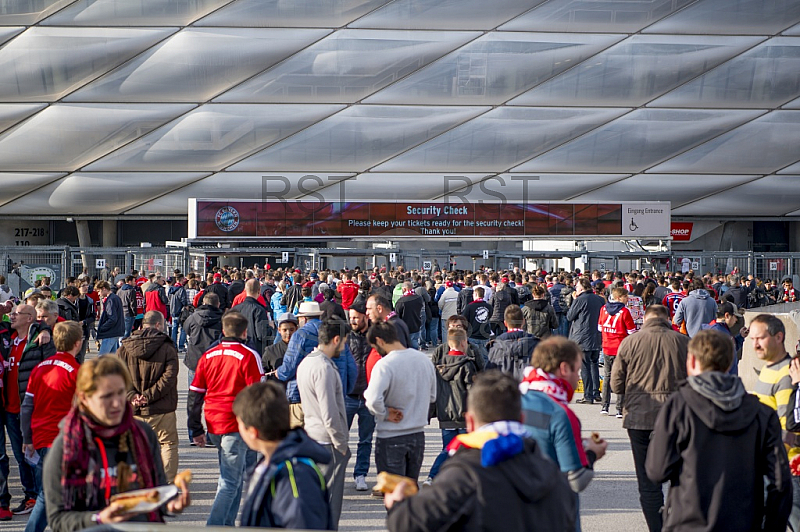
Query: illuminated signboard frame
x: 215, y: 220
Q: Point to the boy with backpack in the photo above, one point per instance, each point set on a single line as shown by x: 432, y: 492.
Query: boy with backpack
x: 287, y: 489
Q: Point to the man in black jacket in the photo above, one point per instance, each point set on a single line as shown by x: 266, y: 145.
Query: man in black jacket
x: 715, y: 440
x: 203, y: 328
x: 216, y: 287
x: 293, y: 294
x: 481, y: 489
x: 67, y: 308
x: 409, y: 309
x: 329, y: 307
x: 237, y: 286
x: 354, y: 401
x: 583, y: 314
x: 259, y: 332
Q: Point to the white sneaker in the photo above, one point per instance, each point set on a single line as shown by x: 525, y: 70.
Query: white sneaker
x: 428, y: 482
x: 361, y: 483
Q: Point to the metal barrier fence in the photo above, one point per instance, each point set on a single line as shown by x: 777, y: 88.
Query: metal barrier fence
x: 23, y: 266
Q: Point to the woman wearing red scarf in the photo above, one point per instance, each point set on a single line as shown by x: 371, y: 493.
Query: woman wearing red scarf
x: 102, y: 451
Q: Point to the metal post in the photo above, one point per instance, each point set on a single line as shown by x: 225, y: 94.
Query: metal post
x: 66, y: 259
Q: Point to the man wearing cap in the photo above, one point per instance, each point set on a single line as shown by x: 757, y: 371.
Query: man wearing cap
x: 301, y: 344
x: 221, y: 290
x: 273, y: 354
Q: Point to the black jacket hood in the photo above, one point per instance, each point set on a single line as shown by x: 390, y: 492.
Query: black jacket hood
x: 209, y: 315
x: 718, y: 400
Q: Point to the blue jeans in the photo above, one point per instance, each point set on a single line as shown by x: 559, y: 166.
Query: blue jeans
x: 128, y: 326
x: 179, y: 343
x: 432, y: 332
x: 447, y: 437
x: 108, y: 345
x: 366, y: 426
x: 794, y: 517
x: 37, y: 522
x: 563, y: 325
x: 234, y: 459
x: 26, y: 472
x: 414, y: 340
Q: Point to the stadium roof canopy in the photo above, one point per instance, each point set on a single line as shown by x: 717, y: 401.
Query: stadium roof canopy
x: 112, y: 107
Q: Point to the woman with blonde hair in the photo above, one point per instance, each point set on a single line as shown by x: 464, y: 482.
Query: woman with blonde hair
x: 101, y: 451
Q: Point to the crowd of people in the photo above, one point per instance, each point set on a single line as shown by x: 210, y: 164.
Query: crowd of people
x: 280, y: 363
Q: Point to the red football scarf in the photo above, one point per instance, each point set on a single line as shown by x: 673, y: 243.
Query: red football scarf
x: 539, y: 380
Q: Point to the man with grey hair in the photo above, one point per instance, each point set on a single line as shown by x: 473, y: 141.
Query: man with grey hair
x: 152, y: 360
x: 47, y: 311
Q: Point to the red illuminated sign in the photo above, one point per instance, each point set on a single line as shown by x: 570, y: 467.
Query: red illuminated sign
x: 681, y: 231
x: 243, y: 219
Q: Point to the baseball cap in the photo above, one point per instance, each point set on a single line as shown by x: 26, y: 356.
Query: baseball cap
x: 217, y: 275
x: 359, y: 307
x: 287, y: 316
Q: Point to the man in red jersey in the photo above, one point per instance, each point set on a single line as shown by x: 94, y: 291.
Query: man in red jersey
x: 47, y: 400
x: 348, y: 289
x: 222, y: 372
x: 615, y: 323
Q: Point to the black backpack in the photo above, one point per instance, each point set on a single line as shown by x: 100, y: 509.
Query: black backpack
x: 511, y: 355
x: 186, y: 311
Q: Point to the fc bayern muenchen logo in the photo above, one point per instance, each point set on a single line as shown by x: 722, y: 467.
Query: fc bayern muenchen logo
x: 227, y: 219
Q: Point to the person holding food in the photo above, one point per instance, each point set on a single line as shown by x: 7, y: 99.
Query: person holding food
x: 547, y: 389
x: 102, y: 451
x: 496, y: 479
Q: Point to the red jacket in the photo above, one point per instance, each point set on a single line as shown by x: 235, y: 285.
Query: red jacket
x: 349, y: 291
x: 153, y: 301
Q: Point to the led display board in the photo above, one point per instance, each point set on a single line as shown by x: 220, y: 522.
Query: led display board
x: 295, y: 219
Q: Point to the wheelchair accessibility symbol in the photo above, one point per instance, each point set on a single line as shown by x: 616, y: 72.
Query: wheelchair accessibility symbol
x: 633, y: 226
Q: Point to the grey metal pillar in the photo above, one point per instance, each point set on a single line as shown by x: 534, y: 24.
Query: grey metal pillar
x: 84, y: 241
